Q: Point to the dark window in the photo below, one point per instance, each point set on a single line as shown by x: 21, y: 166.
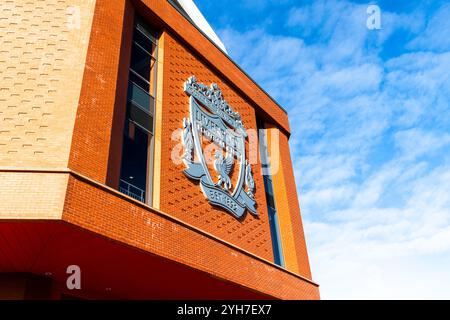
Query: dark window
x: 270, y: 198
x: 275, y: 236
x: 134, y: 163
x: 137, y: 152
x: 140, y: 61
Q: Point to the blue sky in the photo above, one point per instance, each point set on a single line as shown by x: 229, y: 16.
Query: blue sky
x: 371, y: 133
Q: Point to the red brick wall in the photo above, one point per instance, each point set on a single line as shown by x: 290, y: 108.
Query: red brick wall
x: 115, y: 150
x: 182, y: 197
x: 294, y: 208
x: 96, y: 144
x: 104, y: 212
x: 90, y: 150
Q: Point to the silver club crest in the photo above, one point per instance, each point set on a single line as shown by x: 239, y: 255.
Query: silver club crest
x: 212, y: 118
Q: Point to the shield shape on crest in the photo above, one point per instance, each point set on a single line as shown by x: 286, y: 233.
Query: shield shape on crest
x: 226, y: 177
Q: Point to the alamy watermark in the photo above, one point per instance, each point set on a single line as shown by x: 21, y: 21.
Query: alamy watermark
x: 74, y: 279
x: 373, y: 21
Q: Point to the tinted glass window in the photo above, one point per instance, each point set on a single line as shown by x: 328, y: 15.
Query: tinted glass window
x: 140, y: 62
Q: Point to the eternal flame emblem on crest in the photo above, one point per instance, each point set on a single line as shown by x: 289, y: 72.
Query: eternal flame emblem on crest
x: 213, y: 120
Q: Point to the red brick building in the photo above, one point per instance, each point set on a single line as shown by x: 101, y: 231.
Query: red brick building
x: 93, y: 110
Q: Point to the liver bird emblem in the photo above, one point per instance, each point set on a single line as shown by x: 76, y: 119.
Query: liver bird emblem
x: 223, y: 168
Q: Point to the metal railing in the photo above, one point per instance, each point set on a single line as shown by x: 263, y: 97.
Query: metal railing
x: 131, y: 190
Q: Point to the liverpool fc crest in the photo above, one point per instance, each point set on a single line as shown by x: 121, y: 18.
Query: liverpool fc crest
x: 212, y: 119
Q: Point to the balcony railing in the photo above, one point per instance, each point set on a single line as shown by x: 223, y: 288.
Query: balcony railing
x: 131, y: 190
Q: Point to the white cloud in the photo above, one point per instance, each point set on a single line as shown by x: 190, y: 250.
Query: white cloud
x: 370, y: 145
x: 383, y: 239
x: 417, y: 142
x: 432, y: 38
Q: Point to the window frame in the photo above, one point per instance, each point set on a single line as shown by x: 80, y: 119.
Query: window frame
x: 153, y: 37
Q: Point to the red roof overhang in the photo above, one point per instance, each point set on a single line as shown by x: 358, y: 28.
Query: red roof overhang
x: 109, y: 269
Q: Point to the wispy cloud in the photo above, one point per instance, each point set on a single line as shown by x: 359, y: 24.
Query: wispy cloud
x: 432, y: 37
x: 371, y: 143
